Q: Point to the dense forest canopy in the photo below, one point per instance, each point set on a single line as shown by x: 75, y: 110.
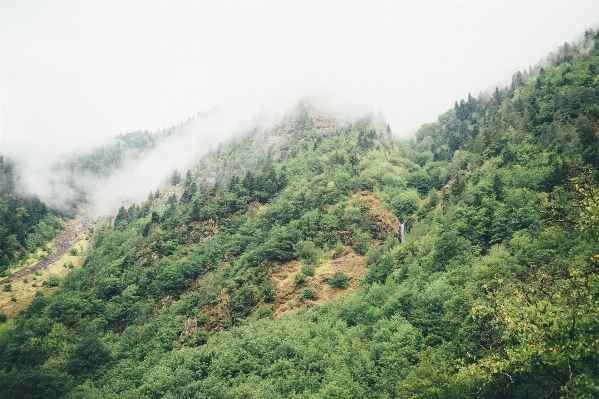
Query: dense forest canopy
x: 493, y: 293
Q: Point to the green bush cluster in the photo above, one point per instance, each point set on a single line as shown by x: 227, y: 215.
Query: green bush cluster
x: 53, y: 281
x: 305, y: 294
x: 339, y: 280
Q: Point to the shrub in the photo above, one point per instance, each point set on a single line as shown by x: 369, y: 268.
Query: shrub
x: 263, y: 312
x: 338, y: 250
x: 309, y: 270
x: 7, y: 287
x: 269, y: 291
x: 307, y: 251
x: 361, y: 243
x: 2, y: 318
x: 339, y: 280
x: 299, y: 278
x: 53, y: 281
x: 306, y: 294
x: 73, y: 252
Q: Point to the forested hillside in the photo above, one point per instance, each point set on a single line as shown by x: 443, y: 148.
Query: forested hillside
x: 233, y: 286
x: 111, y: 156
x: 26, y: 223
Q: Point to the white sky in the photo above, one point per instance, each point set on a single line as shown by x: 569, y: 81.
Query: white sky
x: 72, y: 72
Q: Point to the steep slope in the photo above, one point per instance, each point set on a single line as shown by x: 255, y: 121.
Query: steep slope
x: 26, y: 223
x: 493, y: 294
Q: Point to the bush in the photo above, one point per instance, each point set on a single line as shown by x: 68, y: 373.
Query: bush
x: 2, y: 318
x: 338, y: 250
x: 309, y: 270
x: 53, y: 281
x: 299, y: 278
x: 339, y: 280
x: 7, y: 287
x: 307, y: 251
x: 306, y: 294
x: 73, y: 252
x: 263, y: 312
x: 361, y: 243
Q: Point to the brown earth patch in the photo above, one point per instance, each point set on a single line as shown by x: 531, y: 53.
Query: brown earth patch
x: 384, y: 220
x: 287, y: 301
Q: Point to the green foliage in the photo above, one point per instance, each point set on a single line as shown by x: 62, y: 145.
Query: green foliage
x: 448, y: 247
x: 307, y: 251
x: 308, y: 270
x: 53, y: 281
x: 26, y: 223
x: 89, y: 355
x: 299, y: 278
x: 492, y: 294
x: 338, y: 249
x: 305, y: 294
x: 339, y: 280
x: 420, y: 181
x: 263, y: 312
x: 361, y: 242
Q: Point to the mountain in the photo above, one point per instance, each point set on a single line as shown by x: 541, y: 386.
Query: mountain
x: 277, y: 268
x: 26, y: 223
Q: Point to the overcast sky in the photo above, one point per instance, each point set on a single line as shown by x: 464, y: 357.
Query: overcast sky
x: 75, y: 71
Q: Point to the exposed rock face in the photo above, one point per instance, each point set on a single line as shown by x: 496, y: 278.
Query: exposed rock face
x: 220, y: 315
x: 383, y: 220
x: 191, y: 325
x: 167, y: 300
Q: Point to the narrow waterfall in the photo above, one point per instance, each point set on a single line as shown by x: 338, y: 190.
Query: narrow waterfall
x: 402, y: 232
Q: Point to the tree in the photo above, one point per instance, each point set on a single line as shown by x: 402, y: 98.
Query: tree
x: 89, y: 355
x: 176, y: 178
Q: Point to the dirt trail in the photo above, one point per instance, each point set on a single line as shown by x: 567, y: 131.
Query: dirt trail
x: 62, y: 243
